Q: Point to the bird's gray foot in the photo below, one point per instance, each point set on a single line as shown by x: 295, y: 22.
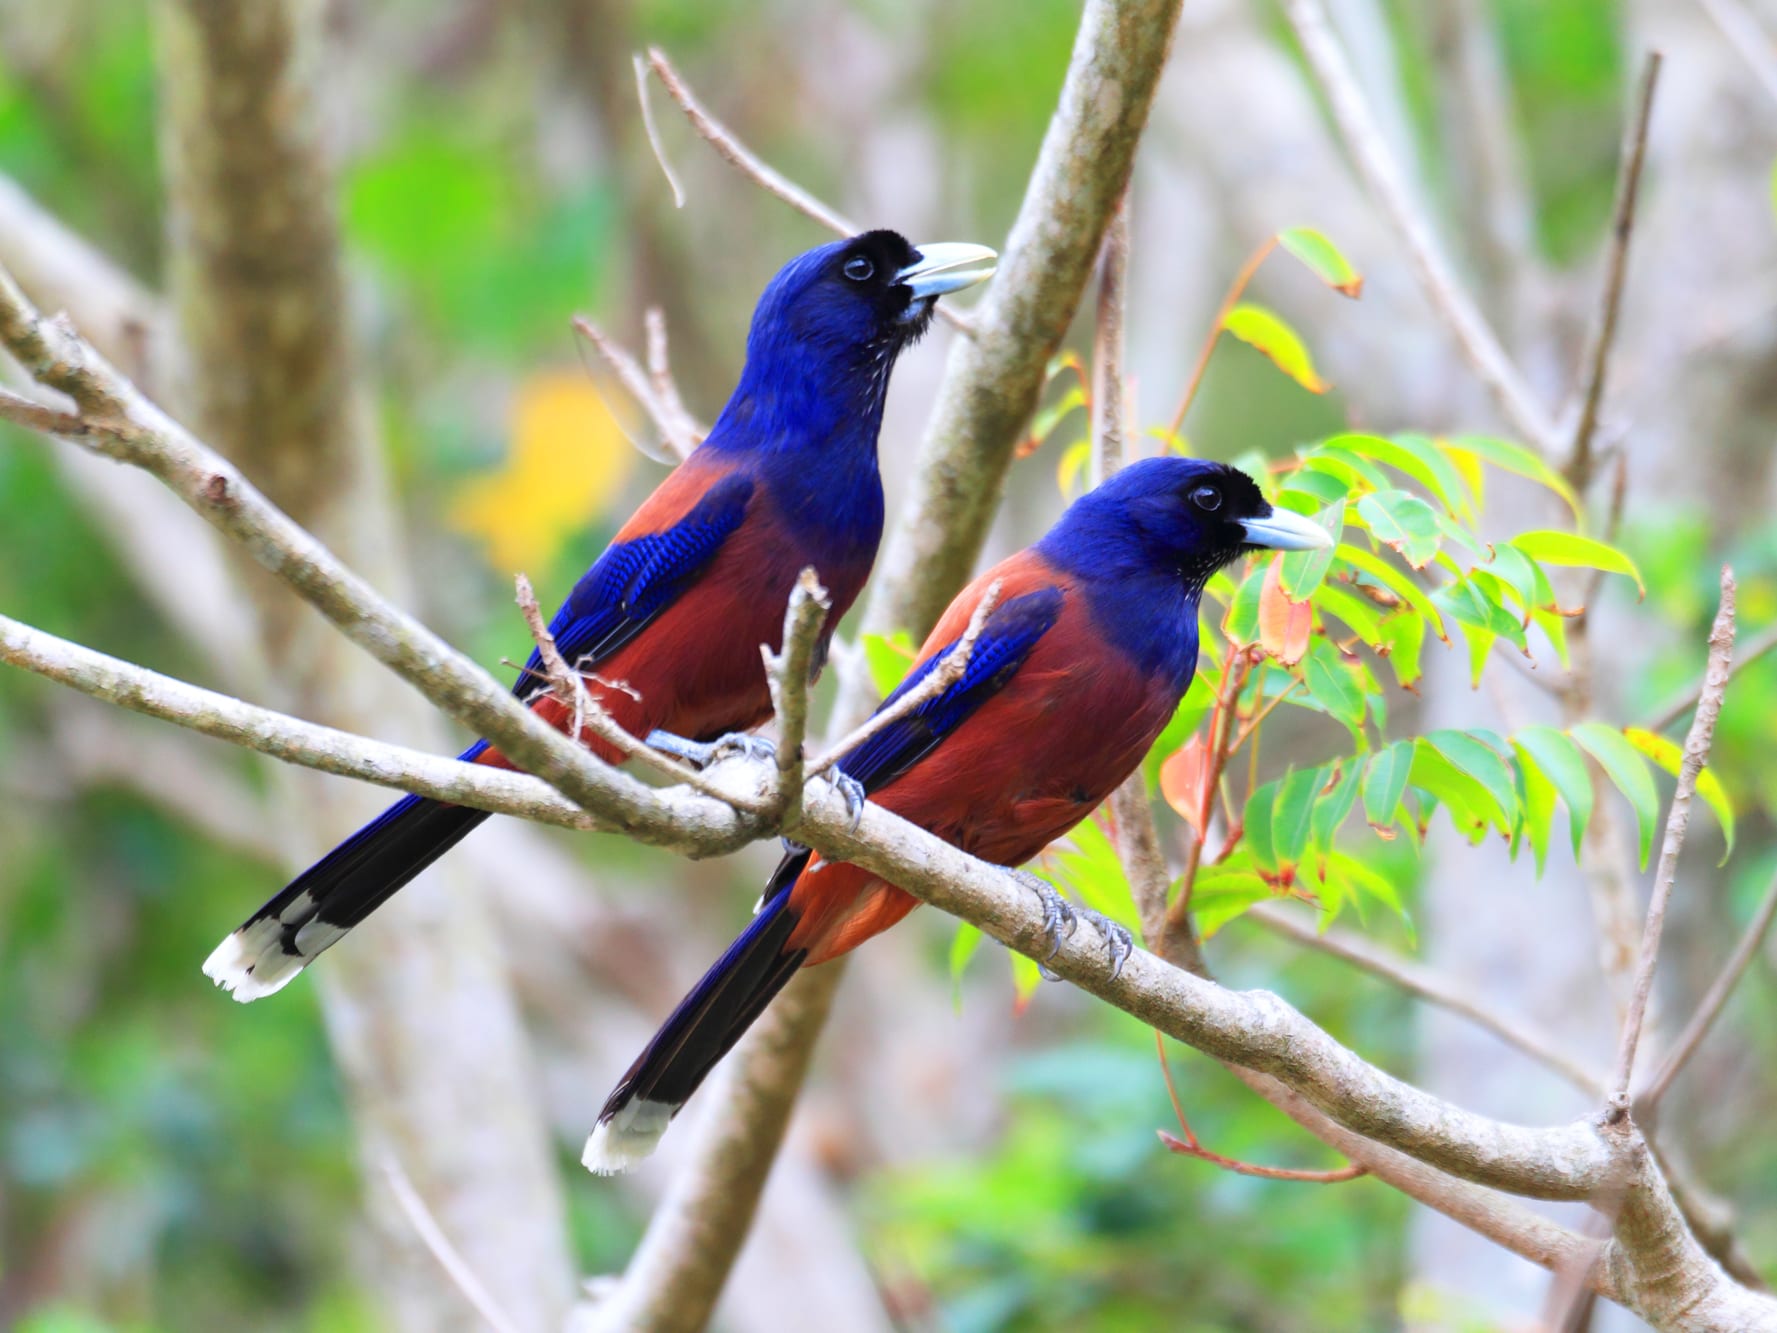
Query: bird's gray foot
x: 1058, y: 917
x: 851, y: 789
x: 1118, y: 942
x: 701, y: 754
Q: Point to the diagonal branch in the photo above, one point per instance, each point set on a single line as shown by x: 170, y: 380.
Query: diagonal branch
x: 787, y: 675
x: 1696, y: 753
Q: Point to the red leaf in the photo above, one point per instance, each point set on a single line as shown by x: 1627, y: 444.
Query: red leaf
x: 1181, y: 780
x: 1284, y: 625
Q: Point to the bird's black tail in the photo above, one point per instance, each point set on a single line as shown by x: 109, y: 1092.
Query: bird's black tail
x: 700, y: 1032
x: 325, y: 901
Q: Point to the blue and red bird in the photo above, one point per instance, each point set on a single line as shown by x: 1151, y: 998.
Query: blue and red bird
x: 1081, y: 662
x: 677, y: 607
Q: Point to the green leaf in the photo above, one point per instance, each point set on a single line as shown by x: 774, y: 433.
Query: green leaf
x: 1258, y: 327
x: 1404, y: 522
x: 1323, y: 259
x: 1360, y: 616
x: 1385, y: 781
x: 1569, y: 548
x: 1241, y: 624
x: 1323, y: 488
x: 1189, y: 715
x: 1404, y: 637
x: 1392, y: 579
x: 1516, y: 459
x: 1256, y: 819
x: 1669, y: 755
x: 1471, y: 809
x: 1375, y: 885
x: 1051, y: 416
x: 1332, y: 684
x: 1357, y: 472
x: 1415, y: 456
x: 1292, y: 814
x: 1484, y: 764
x: 1304, y: 570
x: 1222, y: 893
x: 1333, y: 806
x: 888, y: 657
x: 1557, y: 758
x: 1623, y: 765
x: 1538, y: 795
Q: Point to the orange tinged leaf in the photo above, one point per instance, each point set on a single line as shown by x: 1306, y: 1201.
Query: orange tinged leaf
x: 1181, y: 780
x: 1284, y: 625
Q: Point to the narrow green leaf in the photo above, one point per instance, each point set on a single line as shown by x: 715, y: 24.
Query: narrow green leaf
x: 1332, y: 807
x: 1304, y: 570
x: 1569, y: 548
x: 1241, y: 624
x: 1554, y: 755
x: 1368, y: 881
x: 1624, y: 766
x: 963, y: 945
x: 1394, y: 581
x: 1332, y: 683
x: 1360, y: 616
x: 1472, y: 811
x: 1322, y: 487
x: 1404, y: 522
x: 1323, y: 259
x: 1221, y: 894
x: 1189, y: 715
x: 1404, y: 635
x: 1292, y: 814
x: 1484, y: 764
x: 1539, y: 805
x: 1669, y: 755
x: 1428, y: 467
x: 1385, y: 781
x: 1515, y: 458
x: 1256, y: 819
x: 1358, y: 473
x: 1263, y: 329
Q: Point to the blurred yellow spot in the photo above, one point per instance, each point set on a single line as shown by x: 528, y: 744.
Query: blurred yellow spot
x: 566, y: 458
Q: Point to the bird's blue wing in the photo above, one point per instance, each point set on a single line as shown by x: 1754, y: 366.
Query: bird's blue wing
x: 634, y: 581
x: 1011, y: 631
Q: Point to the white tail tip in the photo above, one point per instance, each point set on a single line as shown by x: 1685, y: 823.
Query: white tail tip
x: 627, y: 1138
x: 252, y: 963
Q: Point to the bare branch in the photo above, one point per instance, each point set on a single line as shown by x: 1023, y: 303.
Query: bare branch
x: 22, y: 411
x: 787, y: 675
x: 281, y: 736
x: 1430, y: 986
x: 941, y: 678
x: 1681, y: 704
x: 1696, y: 754
x: 433, y: 1237
x: 653, y: 131
x: 1597, y: 359
x: 653, y: 389
x: 1364, y: 140
x: 1713, y: 1002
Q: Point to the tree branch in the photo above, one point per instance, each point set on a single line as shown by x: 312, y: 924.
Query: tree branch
x: 1428, y: 985
x: 1696, y: 754
x: 787, y: 676
x: 654, y: 388
x: 1597, y: 358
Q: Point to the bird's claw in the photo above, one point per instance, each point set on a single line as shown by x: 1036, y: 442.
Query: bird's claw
x: 1059, y: 920
x: 701, y: 754
x: 852, y: 791
x: 1118, y: 942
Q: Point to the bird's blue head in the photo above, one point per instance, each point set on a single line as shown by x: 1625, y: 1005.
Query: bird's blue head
x: 826, y: 334
x: 1144, y: 543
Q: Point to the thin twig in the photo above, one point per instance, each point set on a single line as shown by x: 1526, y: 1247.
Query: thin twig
x: 1681, y: 703
x: 732, y: 151
x: 1364, y: 140
x: 22, y: 411
x: 1109, y: 410
x: 1235, y: 290
x: 592, y: 717
x: 678, y: 428
x: 653, y: 131
x: 1190, y: 1147
x: 1604, y: 332
x: 940, y: 678
x: 660, y: 375
x: 787, y: 676
x: 1430, y: 986
x: 434, y: 1239
x: 1713, y: 1003
x: 1696, y: 754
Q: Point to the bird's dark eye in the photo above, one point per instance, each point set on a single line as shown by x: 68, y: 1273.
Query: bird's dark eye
x: 1207, y: 498
x: 859, y: 268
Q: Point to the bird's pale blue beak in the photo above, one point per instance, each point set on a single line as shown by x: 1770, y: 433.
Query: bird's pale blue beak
x: 1281, y: 530
x: 947, y: 266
